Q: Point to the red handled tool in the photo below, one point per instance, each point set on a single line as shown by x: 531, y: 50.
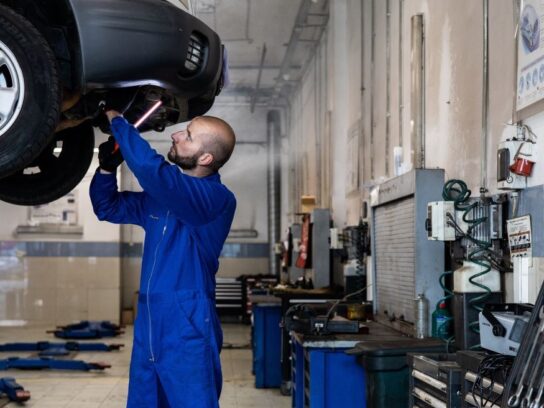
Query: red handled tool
x: 155, y: 106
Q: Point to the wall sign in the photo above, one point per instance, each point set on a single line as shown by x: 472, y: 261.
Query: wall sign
x: 62, y: 211
x: 530, y: 79
x: 519, y: 236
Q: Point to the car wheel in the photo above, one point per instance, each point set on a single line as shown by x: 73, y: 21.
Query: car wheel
x: 29, y: 92
x: 56, y: 171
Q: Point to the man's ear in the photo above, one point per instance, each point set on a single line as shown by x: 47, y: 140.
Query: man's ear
x: 205, y: 159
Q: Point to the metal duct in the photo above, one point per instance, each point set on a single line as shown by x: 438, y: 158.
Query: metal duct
x: 273, y: 127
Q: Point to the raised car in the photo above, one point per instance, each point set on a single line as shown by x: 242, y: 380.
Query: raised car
x: 62, y: 61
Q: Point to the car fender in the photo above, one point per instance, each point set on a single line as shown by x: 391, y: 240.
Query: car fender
x: 145, y: 42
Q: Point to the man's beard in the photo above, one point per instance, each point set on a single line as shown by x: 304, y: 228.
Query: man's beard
x: 185, y: 162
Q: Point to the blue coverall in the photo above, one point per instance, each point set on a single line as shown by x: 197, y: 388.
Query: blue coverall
x: 177, y: 335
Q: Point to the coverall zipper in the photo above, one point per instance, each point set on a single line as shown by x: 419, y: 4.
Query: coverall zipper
x: 149, y: 286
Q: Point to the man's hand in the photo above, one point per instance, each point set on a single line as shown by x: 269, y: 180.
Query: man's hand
x: 111, y: 114
x: 103, y: 120
x: 108, y: 157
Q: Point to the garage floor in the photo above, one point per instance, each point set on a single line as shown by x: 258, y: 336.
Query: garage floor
x: 108, y: 389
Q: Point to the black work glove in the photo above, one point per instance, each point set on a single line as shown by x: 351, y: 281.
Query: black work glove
x: 109, y: 158
x: 101, y: 121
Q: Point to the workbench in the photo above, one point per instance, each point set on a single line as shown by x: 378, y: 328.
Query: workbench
x: 324, y: 375
x: 289, y: 297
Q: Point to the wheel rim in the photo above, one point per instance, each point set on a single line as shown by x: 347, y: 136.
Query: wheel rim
x: 12, y: 88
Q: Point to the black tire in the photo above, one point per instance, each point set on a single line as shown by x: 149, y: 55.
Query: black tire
x: 58, y: 173
x: 31, y: 129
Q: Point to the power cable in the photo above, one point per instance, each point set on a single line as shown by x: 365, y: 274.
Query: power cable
x: 494, y: 368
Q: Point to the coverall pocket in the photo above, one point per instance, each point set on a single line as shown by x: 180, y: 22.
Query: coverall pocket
x: 196, y: 312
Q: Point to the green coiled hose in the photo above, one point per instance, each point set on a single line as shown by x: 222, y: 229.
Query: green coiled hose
x: 448, y: 319
x: 457, y: 191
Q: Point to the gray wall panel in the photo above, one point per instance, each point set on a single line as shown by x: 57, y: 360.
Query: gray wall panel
x: 531, y: 203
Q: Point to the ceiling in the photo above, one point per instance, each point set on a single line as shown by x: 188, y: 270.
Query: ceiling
x: 268, y: 42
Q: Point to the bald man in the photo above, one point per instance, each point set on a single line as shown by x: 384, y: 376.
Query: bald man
x: 186, y: 213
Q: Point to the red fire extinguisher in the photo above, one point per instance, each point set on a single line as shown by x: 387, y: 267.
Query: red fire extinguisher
x: 304, y: 249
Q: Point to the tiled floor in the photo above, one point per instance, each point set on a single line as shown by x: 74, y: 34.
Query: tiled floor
x: 108, y: 389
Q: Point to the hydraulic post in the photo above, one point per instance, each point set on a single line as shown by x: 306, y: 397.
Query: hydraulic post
x: 88, y: 330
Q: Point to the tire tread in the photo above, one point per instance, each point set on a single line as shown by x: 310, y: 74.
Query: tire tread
x: 21, y: 30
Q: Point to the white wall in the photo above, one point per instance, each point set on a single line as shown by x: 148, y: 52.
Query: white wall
x: 453, y: 92
x: 360, y: 55
x: 93, y: 230
x: 323, y: 109
x: 245, y: 173
x: 50, y: 288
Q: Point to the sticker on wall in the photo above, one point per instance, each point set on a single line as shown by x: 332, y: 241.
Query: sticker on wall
x: 62, y: 211
x: 519, y: 237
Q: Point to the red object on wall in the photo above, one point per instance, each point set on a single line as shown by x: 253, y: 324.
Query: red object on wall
x: 522, y: 167
x: 304, y: 249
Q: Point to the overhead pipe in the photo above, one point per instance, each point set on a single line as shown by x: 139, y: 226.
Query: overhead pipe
x: 418, y: 98
x: 288, y: 63
x: 273, y: 121
x: 485, y: 99
x: 387, y: 85
x: 401, y: 65
x: 295, y: 38
x: 372, y: 82
x: 318, y: 128
x: 363, y: 90
x: 516, y: 5
x: 258, y: 84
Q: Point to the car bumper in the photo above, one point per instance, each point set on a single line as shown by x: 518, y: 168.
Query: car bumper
x: 146, y: 42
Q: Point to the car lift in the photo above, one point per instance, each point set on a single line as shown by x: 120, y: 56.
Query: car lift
x: 46, y: 348
x: 49, y: 363
x: 87, y: 330
x: 14, y: 391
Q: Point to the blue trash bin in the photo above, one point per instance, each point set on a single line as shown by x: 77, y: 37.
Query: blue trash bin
x: 326, y: 378
x: 267, y: 346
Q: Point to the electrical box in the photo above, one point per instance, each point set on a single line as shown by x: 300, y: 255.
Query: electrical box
x: 336, y: 242
x: 506, y: 179
x: 508, y: 342
x: 438, y: 213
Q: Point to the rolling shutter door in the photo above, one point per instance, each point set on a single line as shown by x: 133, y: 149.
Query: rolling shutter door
x: 395, y: 254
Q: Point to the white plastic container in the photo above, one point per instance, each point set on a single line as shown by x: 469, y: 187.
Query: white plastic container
x: 461, y: 276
